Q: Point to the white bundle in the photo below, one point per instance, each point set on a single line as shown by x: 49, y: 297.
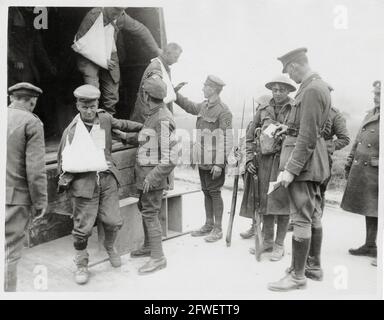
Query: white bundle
x: 82, y: 155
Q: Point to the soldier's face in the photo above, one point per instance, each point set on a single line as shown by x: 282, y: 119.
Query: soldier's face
x: 87, y: 109
x: 293, y: 73
x: 208, y: 91
x: 279, y: 93
x: 172, y: 56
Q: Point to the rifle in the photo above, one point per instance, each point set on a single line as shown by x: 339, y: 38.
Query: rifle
x: 234, y: 196
x: 257, y: 218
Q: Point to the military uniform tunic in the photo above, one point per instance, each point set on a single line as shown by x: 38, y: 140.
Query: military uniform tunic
x: 210, y: 117
x: 156, y: 158
x: 26, y: 183
x: 304, y: 153
x: 268, y: 165
x: 361, y: 193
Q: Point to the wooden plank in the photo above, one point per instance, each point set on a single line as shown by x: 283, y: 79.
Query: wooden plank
x: 125, y: 159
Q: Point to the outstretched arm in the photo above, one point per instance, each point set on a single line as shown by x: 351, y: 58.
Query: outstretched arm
x: 188, y: 105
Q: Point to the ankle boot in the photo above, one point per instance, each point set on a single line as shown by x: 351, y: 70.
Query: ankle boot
x: 109, y: 241
x: 295, y: 279
x: 248, y: 233
x: 81, y: 261
x: 313, y: 266
x: 369, y: 248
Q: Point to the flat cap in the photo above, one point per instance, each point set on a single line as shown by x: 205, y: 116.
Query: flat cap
x: 155, y: 87
x: 87, y: 92
x: 377, y: 86
x: 25, y: 88
x: 281, y: 80
x: 292, y: 56
x: 214, y: 81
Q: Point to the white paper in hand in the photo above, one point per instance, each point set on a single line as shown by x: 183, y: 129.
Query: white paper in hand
x: 270, y: 130
x: 274, y: 185
x: 92, y: 45
x: 82, y: 155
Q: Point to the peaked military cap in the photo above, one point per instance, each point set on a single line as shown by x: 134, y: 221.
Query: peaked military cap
x: 292, y: 56
x: 25, y: 88
x: 87, y: 92
x: 214, y: 81
x: 281, y: 80
x: 155, y: 87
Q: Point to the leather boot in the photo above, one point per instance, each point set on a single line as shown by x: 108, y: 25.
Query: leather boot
x: 313, y: 268
x: 81, y: 261
x: 295, y: 279
x: 266, y: 248
x: 203, y: 231
x: 277, y: 253
x: 153, y: 265
x: 368, y: 249
x: 215, y: 235
x: 142, y: 252
x: 248, y: 233
x: 109, y: 241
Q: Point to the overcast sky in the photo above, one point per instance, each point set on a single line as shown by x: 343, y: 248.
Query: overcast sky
x: 239, y: 41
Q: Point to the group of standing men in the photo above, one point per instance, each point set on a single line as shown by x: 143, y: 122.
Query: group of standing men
x: 298, y: 159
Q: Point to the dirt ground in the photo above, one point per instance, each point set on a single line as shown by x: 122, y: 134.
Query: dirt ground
x: 199, y: 270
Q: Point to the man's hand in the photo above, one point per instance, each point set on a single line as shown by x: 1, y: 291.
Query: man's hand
x: 122, y: 135
x: 285, y: 178
x: 19, y: 65
x: 251, y: 168
x: 146, y: 186
x: 111, y: 64
x: 40, y: 214
x: 179, y: 86
x: 281, y: 128
x: 216, y: 172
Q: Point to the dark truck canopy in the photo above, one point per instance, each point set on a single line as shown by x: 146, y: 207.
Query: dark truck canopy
x: 56, y: 107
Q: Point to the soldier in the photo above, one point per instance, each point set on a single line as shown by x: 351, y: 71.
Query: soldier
x: 162, y: 63
x: 26, y: 182
x: 248, y: 203
x: 213, y: 120
x: 273, y: 206
x: 94, y: 193
x: 304, y: 165
x: 115, y: 19
x: 156, y: 159
x: 362, y: 171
